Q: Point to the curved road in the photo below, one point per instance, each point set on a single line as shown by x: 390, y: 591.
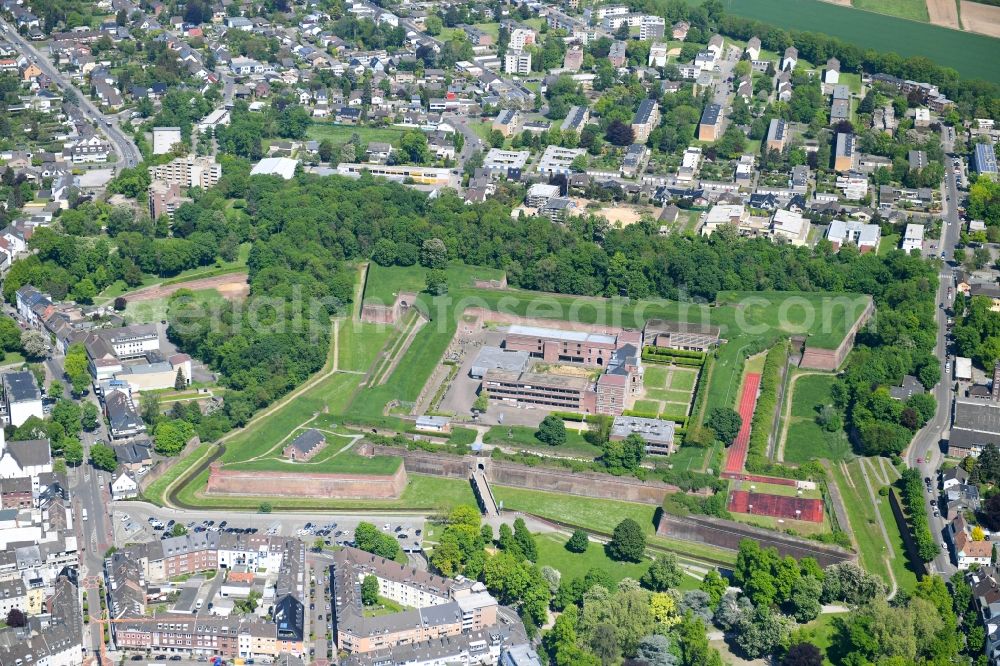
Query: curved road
x: 128, y: 153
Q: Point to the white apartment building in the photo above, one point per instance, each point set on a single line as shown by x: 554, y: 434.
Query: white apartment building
x: 517, y: 62
x: 190, y: 171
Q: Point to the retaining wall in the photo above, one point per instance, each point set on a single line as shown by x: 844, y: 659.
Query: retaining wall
x: 504, y: 473
x: 815, y: 358
x: 728, y: 534
x: 161, y: 466
x: 296, y: 483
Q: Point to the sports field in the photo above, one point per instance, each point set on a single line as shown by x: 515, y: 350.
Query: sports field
x: 736, y: 457
x: 974, y: 56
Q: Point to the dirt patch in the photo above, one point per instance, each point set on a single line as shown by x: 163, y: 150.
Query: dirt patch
x: 845, y: 3
x: 231, y: 286
x: 943, y: 12
x: 617, y: 215
x: 984, y: 19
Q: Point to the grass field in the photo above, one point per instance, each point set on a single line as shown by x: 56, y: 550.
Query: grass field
x: 154, y: 493
x: 338, y: 135
x: 429, y: 493
x: 357, y: 345
x: 552, y: 551
x: 596, y: 514
x: 384, y: 282
x: 863, y: 516
x: 689, y: 458
x: 888, y: 243
x: 145, y: 312
x: 806, y: 439
x: 864, y: 523
x: 915, y: 10
x: 968, y: 53
x: 523, y: 436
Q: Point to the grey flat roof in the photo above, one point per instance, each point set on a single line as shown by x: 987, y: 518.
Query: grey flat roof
x: 560, y: 334
x: 21, y: 387
x: 495, y: 358
x: 711, y: 114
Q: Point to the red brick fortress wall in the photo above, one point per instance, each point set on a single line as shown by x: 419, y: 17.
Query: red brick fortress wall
x: 815, y: 358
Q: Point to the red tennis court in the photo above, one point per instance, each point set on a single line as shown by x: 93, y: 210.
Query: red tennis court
x: 737, y: 455
x: 776, y: 506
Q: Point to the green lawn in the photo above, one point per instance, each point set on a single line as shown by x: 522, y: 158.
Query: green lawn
x: 915, y: 10
x: 12, y: 358
x: 338, y: 135
x: 905, y: 577
x: 968, y: 53
x: 523, y: 436
x: 862, y: 516
x: 385, y: 282
x: 888, y: 243
x: 806, y: 439
x: 145, y: 312
x: 359, y: 343
x: 864, y: 523
x: 688, y: 458
x: 655, y: 376
x: 683, y: 380
x: 384, y: 607
x: 347, y: 462
x: 154, y: 493
x: 552, y: 552
x: 596, y: 514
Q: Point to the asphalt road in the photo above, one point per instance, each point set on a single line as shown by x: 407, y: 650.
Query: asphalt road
x: 926, y: 446
x: 472, y: 140
x: 128, y: 153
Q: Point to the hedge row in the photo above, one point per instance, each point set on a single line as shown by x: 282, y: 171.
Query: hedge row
x: 672, y: 360
x: 570, y: 416
x: 762, y: 421
x: 911, y: 488
x: 701, y: 390
x: 678, y: 353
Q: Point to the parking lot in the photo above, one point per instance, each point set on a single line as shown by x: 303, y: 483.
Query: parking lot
x: 141, y: 523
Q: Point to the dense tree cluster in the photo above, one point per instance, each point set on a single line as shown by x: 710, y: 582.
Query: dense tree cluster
x: 977, y: 330
x: 911, y: 488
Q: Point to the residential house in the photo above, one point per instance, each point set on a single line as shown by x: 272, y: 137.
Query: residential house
x: 865, y: 236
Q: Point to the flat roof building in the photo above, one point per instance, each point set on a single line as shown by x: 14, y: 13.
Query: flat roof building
x: 275, y: 166
x: 657, y: 433
x: 985, y: 159
x: 844, y: 154
x: 913, y: 237
x: 865, y: 236
x: 777, y: 134
x: 710, y: 126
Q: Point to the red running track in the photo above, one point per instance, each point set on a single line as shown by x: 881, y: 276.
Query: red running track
x: 737, y: 455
